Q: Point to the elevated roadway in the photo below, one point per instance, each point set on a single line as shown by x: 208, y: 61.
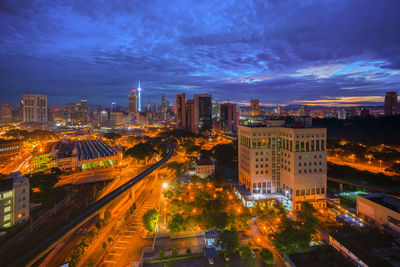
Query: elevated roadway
x: 39, y: 249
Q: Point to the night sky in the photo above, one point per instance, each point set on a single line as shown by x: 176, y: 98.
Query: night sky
x: 282, y: 52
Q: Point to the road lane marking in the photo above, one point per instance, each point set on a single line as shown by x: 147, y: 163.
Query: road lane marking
x: 116, y: 254
x: 119, y: 247
x: 113, y: 262
x: 123, y: 241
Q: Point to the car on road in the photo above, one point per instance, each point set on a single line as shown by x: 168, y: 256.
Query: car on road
x: 226, y: 257
x: 211, y: 260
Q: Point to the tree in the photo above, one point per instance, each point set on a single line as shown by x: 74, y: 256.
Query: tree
x: 188, y: 251
x: 150, y: 219
x: 169, y: 194
x: 174, y: 252
x: 176, y: 224
x: 247, y: 258
x: 161, y: 254
x: 266, y: 256
x: 112, y: 136
x: 306, y: 215
x: 291, y: 236
x: 218, y: 219
x: 141, y: 151
x: 104, y: 245
x: 229, y: 240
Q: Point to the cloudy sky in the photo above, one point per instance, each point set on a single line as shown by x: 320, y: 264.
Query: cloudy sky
x: 283, y: 52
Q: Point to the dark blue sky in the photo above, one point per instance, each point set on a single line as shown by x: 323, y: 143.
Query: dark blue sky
x: 282, y: 52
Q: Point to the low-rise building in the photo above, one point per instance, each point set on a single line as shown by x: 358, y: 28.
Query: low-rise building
x: 42, y: 157
x: 9, y: 148
x: 380, y: 210
x: 365, y: 246
x: 204, y: 166
x: 14, y: 200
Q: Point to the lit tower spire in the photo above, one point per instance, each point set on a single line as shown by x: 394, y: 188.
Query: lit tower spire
x: 140, y: 101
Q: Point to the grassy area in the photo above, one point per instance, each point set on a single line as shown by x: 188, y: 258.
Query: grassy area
x: 168, y: 259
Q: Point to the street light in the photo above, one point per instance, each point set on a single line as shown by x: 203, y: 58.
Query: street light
x: 165, y: 185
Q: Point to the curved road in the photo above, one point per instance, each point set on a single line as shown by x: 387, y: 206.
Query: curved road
x: 40, y: 249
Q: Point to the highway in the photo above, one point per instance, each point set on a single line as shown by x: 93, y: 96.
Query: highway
x: 41, y: 248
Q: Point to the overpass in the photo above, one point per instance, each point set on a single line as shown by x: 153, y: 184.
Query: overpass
x: 377, y: 188
x: 46, y: 244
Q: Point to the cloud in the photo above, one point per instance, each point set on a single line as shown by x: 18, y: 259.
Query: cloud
x: 277, y: 51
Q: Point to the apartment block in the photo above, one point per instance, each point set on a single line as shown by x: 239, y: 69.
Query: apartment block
x: 14, y: 200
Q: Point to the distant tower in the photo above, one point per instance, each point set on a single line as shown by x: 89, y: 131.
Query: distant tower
x: 140, y: 101
x: 390, y: 103
x: 133, y: 104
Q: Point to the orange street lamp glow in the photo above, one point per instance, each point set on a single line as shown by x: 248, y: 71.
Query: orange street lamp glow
x: 165, y: 185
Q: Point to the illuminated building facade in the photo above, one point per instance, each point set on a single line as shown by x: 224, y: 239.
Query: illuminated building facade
x: 140, y: 98
x: 35, y: 108
x: 229, y: 117
x: 287, y: 160
x: 133, y: 104
x: 9, y: 148
x: 202, y: 113
x: 6, y: 113
x: 255, y: 107
x: 14, y: 200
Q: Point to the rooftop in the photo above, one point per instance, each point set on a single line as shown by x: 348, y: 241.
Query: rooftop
x: 385, y: 200
x: 204, y: 160
x: 370, y: 245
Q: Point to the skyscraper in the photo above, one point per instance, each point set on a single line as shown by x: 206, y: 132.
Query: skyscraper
x: 180, y: 111
x: 113, y: 106
x: 6, y: 113
x: 140, y: 98
x: 202, y: 113
x: 133, y: 104
x: 229, y: 117
x: 35, y: 108
x: 255, y: 107
x: 390, y: 103
x: 163, y: 110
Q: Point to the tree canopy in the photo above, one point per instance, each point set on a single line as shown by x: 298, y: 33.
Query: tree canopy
x: 150, y: 219
x: 229, y: 240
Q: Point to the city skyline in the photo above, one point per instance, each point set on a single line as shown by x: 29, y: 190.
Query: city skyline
x: 282, y: 53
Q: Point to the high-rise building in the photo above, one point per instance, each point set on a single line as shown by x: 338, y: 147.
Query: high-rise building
x: 6, y: 113
x: 304, y: 111
x: 163, y: 110
x: 113, y: 106
x: 14, y: 200
x: 342, y: 114
x: 133, y: 104
x: 255, y: 107
x: 180, y: 111
x: 390, y: 103
x: 280, y: 160
x: 140, y: 98
x: 202, y: 113
x: 189, y: 116
x: 35, y: 108
x: 229, y: 117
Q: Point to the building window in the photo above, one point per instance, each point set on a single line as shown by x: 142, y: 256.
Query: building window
x: 308, y: 192
x: 302, y: 192
x: 323, y: 190
x: 313, y: 191
x: 297, y: 193
x: 317, y: 191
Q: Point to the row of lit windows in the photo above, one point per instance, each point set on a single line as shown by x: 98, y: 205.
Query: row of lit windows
x: 310, y: 163
x: 263, y: 184
x: 311, y: 191
x: 310, y: 170
x: 8, y: 148
x: 310, y: 156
